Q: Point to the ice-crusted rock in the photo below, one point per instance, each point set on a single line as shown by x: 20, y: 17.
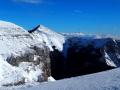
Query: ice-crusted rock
x: 22, y: 58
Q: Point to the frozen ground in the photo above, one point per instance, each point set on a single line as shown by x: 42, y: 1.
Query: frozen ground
x: 107, y: 80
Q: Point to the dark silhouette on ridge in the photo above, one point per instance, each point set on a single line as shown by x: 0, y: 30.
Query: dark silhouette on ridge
x: 31, y: 31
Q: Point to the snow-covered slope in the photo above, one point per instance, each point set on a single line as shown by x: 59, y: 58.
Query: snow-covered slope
x: 19, y: 56
x: 108, y: 80
x: 10, y: 28
x: 14, y: 39
x: 49, y: 37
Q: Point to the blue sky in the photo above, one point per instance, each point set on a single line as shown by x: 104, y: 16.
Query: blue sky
x: 87, y: 16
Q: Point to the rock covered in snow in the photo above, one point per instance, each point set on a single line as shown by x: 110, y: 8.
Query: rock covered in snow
x: 22, y: 58
x: 49, y: 37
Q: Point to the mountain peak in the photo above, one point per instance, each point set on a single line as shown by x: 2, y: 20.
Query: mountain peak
x: 49, y: 37
x: 41, y: 28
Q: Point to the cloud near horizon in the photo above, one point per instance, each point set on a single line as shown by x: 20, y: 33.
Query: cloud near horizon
x: 29, y: 1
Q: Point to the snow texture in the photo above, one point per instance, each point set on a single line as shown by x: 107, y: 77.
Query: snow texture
x: 107, y: 80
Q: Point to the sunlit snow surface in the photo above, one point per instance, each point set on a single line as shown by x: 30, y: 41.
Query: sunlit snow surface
x: 16, y: 41
x: 108, y: 80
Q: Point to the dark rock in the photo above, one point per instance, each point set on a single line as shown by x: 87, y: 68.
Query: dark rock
x: 30, y: 31
x: 57, y: 63
x: 42, y: 57
x: 84, y: 56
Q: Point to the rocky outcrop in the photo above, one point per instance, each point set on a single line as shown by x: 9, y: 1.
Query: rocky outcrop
x: 38, y: 57
x: 22, y: 57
